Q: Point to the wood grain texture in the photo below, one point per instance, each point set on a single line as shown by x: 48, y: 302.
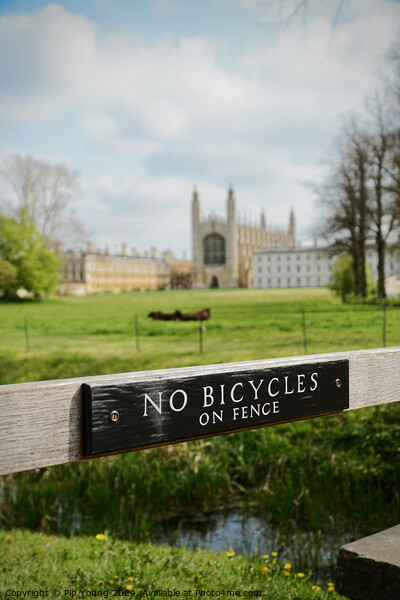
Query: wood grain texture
x: 41, y: 422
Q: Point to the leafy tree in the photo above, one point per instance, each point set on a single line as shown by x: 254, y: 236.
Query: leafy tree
x: 8, y: 276
x: 343, y: 277
x: 23, y: 249
x: 38, y: 272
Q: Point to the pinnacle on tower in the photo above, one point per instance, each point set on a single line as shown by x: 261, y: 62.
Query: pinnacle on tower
x: 292, y: 225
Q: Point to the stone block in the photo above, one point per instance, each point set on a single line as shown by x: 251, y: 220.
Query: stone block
x: 369, y: 568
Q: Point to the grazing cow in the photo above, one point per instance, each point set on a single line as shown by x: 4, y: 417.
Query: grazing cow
x: 158, y: 315
x: 202, y: 315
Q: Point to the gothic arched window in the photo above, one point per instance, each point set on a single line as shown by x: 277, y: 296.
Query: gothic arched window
x: 214, y: 250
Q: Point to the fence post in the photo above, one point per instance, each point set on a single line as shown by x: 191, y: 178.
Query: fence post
x: 303, y: 322
x: 27, y: 345
x: 384, y: 326
x: 201, y: 337
x: 137, y: 336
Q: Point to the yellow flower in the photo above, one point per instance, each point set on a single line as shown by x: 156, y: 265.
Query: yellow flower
x: 287, y: 566
x: 265, y: 571
x: 316, y: 588
x: 129, y: 587
x: 100, y: 582
x: 286, y: 573
x: 130, y: 578
x: 266, y: 557
x: 230, y: 554
x: 300, y: 575
x: 116, y: 576
x: 331, y: 584
x: 269, y: 579
x: 274, y: 554
x: 101, y: 537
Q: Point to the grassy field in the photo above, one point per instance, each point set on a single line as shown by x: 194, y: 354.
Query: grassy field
x: 95, y: 335
x: 333, y: 474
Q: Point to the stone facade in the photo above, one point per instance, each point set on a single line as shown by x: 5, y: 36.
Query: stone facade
x: 312, y: 266
x: 223, y: 248
x: 91, y: 272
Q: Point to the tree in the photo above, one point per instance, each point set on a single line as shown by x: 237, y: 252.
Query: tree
x: 8, y: 277
x: 344, y: 199
x: 43, y: 197
x: 343, y: 277
x: 38, y: 272
x: 384, y: 201
x: 33, y: 266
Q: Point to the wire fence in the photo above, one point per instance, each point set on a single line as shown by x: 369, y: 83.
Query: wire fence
x: 301, y: 331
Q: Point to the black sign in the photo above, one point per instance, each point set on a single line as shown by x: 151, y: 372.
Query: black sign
x: 151, y: 413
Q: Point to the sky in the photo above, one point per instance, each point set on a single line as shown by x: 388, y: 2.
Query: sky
x: 146, y: 99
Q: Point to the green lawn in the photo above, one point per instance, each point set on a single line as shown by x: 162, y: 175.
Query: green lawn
x: 86, y: 567
x: 95, y: 335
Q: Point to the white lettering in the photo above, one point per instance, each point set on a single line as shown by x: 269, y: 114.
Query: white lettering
x: 269, y: 387
x: 266, y: 411
x: 233, y: 390
x: 203, y: 419
x: 217, y: 416
x: 256, y: 388
x: 244, y: 412
x: 286, y: 386
x: 171, y: 400
x: 208, y: 393
x: 255, y: 409
x: 148, y: 399
x: 275, y: 405
x: 235, y: 412
x: 300, y: 384
x: 222, y: 393
x: 314, y: 379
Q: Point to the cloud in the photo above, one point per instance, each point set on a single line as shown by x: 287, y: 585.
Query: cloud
x: 173, y: 110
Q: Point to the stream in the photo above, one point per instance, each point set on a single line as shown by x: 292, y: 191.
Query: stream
x: 245, y: 532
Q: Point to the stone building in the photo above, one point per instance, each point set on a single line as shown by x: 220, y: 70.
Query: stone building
x: 223, y: 248
x: 93, y: 271
x: 312, y: 266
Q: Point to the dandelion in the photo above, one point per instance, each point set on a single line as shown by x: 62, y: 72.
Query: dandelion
x: 230, y: 554
x: 116, y: 577
x: 265, y: 571
x: 130, y: 578
x: 287, y: 566
x: 274, y: 554
x: 100, y: 582
x: 286, y: 573
x: 331, y: 587
x: 129, y: 587
x: 100, y: 537
x: 316, y: 588
x: 269, y: 579
x: 300, y: 575
x: 266, y: 557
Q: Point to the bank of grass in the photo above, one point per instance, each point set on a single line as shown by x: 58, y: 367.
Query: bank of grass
x: 95, y: 566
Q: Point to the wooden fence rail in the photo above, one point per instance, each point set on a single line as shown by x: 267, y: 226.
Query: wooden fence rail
x: 52, y: 422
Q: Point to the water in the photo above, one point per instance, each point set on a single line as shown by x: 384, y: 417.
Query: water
x: 245, y: 532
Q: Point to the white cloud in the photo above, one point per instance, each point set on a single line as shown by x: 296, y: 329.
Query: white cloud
x: 182, y: 118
